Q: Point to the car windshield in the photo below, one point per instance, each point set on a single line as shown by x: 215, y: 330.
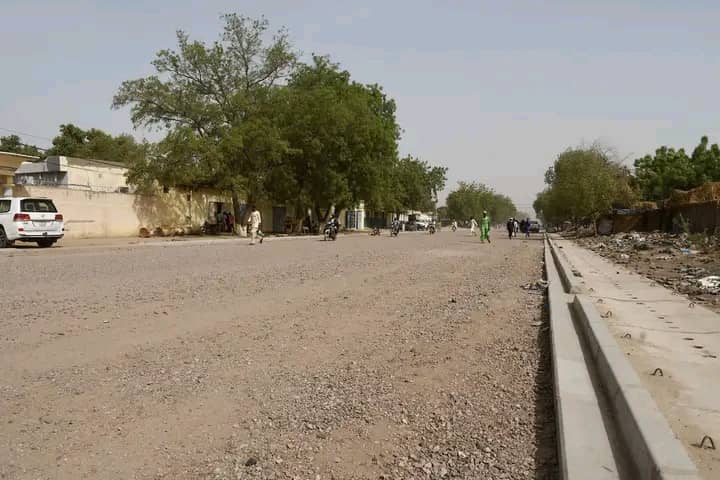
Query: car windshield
x: 37, y: 205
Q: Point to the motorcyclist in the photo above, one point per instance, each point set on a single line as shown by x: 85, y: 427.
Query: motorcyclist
x: 333, y: 223
x: 395, y: 224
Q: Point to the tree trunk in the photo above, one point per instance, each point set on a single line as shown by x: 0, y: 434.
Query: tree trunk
x: 318, y: 213
x: 239, y: 222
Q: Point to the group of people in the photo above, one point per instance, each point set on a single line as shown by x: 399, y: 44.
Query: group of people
x: 484, y: 227
x: 225, y: 222
x: 514, y: 227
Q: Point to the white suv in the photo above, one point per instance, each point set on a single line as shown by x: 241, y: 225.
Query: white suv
x: 29, y: 220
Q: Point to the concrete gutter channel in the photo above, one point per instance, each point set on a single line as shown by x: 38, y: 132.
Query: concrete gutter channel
x: 608, y: 425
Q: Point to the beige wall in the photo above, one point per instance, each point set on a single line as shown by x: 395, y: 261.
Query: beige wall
x: 94, y: 175
x: 9, y: 162
x: 98, y: 214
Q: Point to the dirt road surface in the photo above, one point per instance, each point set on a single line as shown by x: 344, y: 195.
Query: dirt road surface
x: 415, y: 357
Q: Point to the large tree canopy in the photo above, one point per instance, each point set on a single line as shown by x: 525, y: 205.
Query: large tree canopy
x: 342, y: 138
x: 658, y: 175
x: 317, y: 139
x: 582, y: 184
x: 419, y: 184
x: 471, y: 199
x: 215, y: 101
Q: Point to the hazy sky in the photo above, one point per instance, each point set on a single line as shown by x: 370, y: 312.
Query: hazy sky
x: 493, y: 90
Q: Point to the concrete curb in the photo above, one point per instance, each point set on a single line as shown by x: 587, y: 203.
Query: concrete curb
x: 570, y: 281
x: 653, y: 447
x: 583, y: 443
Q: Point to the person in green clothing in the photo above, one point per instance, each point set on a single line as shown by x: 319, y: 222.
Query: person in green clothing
x: 485, y: 227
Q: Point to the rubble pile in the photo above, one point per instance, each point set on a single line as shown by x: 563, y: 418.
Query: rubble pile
x: 689, y: 264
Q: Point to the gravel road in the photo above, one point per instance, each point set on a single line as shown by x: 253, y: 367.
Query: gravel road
x: 369, y: 357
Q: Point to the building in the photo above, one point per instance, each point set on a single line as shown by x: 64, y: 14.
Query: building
x: 97, y: 201
x: 74, y: 173
x: 9, y: 164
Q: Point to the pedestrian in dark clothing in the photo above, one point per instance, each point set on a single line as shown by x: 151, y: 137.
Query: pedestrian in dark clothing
x: 510, y: 227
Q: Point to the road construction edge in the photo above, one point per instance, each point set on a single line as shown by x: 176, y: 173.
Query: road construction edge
x: 653, y: 449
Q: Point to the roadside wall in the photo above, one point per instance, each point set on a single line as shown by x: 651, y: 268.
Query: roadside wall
x: 100, y: 214
x: 701, y: 217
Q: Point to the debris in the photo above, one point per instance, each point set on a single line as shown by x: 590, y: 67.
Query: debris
x: 710, y: 282
x: 538, y: 285
x: 250, y: 462
x: 687, y: 264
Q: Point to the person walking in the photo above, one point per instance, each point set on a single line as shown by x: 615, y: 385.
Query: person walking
x: 527, y: 228
x: 473, y: 226
x: 510, y: 227
x: 255, y: 220
x: 484, y: 227
x: 516, y: 226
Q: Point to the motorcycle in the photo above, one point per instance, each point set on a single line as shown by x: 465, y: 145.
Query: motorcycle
x: 454, y: 228
x: 395, y: 229
x: 431, y: 229
x: 330, y: 231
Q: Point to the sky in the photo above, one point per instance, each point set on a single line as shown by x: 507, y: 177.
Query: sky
x: 493, y: 90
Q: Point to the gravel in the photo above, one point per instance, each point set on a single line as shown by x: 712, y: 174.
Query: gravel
x: 370, y: 357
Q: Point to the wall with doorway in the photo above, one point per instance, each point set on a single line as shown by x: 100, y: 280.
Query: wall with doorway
x: 101, y: 214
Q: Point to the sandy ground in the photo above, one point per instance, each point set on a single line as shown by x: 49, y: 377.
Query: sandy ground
x: 415, y: 357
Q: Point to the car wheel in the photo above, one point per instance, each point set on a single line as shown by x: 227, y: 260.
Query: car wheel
x: 4, y: 242
x: 45, y: 243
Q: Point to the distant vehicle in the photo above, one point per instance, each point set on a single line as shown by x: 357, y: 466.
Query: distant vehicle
x: 29, y: 220
x: 535, y: 226
x: 415, y: 223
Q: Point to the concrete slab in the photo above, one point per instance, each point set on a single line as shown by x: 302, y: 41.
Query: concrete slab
x: 655, y: 452
x: 656, y: 328
x: 585, y: 449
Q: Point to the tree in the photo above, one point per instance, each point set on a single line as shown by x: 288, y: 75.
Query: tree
x: 13, y: 144
x: 705, y: 162
x: 583, y: 184
x: 214, y: 100
x: 658, y: 175
x: 342, y: 141
x: 669, y: 169
x: 471, y: 199
x: 419, y: 184
x: 96, y: 144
